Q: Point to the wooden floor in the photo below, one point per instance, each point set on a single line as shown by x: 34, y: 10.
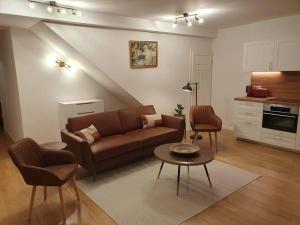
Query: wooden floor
x: 273, y: 199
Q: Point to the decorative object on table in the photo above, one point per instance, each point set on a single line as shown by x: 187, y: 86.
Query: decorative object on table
x: 184, y: 148
x: 204, y: 119
x: 257, y: 91
x: 179, y: 110
x: 143, y: 54
x: 54, y: 145
x: 41, y: 167
x: 188, y: 88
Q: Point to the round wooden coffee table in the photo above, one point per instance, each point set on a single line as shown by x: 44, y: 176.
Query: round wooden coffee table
x: 204, y: 156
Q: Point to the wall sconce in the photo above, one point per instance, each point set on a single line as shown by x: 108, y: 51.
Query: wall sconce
x: 63, y: 64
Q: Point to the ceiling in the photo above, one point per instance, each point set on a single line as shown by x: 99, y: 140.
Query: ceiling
x: 217, y: 13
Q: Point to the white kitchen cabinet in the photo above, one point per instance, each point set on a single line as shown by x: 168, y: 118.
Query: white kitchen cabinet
x: 259, y: 56
x: 279, y: 138
x: 77, y: 108
x: 248, y: 120
x: 288, y: 55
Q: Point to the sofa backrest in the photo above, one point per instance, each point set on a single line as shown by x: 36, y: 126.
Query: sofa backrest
x: 131, y: 118
x: 107, y: 123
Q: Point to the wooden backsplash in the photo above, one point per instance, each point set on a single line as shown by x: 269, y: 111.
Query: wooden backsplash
x: 282, y: 85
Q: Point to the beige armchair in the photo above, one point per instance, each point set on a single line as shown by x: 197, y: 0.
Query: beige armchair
x: 204, y: 119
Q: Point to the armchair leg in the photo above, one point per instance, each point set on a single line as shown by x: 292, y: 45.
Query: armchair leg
x: 216, y: 139
x: 31, y: 202
x: 45, y: 193
x: 62, y: 203
x: 210, y: 140
x: 94, y: 175
x: 73, y: 182
x: 195, y: 137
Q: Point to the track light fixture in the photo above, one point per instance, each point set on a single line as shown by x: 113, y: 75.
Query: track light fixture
x: 53, y: 5
x: 186, y: 17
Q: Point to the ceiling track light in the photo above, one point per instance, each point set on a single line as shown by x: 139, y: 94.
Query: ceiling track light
x: 53, y: 5
x: 186, y: 17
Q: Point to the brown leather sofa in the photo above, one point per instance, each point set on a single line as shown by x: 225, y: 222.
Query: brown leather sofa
x: 122, y: 137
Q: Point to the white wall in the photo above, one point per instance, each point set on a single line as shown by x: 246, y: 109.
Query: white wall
x: 42, y: 86
x: 108, y: 49
x: 9, y: 93
x: 228, y: 79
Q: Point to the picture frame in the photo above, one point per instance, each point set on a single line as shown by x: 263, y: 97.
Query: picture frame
x: 143, y: 54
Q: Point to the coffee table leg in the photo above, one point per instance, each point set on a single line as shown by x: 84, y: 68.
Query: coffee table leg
x: 178, y: 179
x: 188, y: 169
x: 207, y: 174
x: 161, y: 166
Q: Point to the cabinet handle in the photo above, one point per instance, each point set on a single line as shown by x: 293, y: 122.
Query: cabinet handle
x: 85, y: 113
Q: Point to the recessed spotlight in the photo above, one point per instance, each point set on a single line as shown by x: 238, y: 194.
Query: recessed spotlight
x: 31, y: 5
x: 49, y: 9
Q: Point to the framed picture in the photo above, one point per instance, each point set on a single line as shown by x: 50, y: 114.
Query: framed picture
x: 143, y: 54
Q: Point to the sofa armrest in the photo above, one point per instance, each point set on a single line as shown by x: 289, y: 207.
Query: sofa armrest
x: 174, y: 122
x: 79, y: 147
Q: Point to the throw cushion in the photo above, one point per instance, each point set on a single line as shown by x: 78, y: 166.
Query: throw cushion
x: 154, y: 120
x: 90, y: 134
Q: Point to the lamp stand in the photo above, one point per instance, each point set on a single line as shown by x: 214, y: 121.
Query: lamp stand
x: 199, y: 137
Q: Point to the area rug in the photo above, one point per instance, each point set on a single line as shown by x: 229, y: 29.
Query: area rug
x: 133, y: 195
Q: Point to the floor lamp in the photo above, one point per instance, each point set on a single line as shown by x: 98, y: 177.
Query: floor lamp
x: 188, y: 88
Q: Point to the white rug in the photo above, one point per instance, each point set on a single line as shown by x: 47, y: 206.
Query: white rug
x: 132, y: 195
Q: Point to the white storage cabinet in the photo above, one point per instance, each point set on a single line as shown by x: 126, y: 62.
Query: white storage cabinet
x: 78, y: 108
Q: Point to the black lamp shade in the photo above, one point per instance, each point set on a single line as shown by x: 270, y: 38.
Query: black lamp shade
x: 187, y: 87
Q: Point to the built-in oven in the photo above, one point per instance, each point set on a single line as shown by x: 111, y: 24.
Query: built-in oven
x: 280, y: 117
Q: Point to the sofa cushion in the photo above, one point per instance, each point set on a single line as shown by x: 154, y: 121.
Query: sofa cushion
x: 107, y: 123
x: 131, y: 118
x: 115, y: 145
x: 155, y: 135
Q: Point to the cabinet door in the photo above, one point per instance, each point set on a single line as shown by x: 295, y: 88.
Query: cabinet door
x: 259, y: 56
x: 248, y: 120
x: 288, y: 55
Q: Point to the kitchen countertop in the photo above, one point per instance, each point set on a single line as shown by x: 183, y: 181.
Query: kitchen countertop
x: 270, y: 100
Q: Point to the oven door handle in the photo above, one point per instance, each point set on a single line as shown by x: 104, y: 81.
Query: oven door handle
x: 273, y: 114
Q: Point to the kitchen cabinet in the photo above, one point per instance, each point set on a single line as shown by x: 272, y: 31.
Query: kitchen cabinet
x: 279, y: 138
x: 288, y: 55
x: 248, y: 120
x: 273, y: 55
x: 259, y: 56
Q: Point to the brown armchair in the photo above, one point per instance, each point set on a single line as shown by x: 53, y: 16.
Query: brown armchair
x: 204, y: 119
x: 41, y: 167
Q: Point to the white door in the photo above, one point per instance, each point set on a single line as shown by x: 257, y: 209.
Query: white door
x: 201, y: 62
x: 288, y: 55
x: 259, y: 56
